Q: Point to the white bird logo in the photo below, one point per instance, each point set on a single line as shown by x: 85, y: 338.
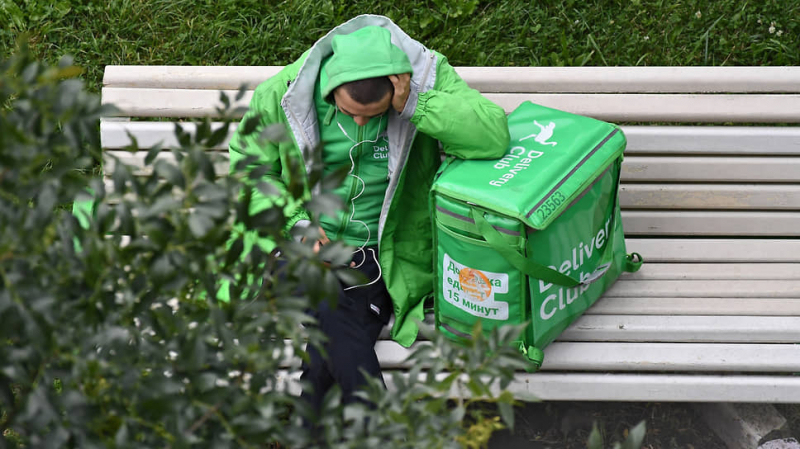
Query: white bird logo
x: 545, y: 133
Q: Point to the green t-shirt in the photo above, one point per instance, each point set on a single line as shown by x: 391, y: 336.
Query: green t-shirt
x: 364, y: 150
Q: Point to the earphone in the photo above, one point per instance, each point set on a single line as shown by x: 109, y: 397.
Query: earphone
x: 355, y: 197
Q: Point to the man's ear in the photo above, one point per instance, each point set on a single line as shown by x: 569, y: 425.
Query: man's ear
x: 390, y: 81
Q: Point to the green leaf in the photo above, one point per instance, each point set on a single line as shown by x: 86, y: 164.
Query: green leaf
x: 69, y: 72
x: 457, y: 415
x: 218, y: 136
x: 223, y: 97
x: 120, y: 176
x: 268, y: 189
x: 47, y: 200
x: 275, y: 133
x: 121, y: 438
x: 635, y: 436
x: 203, y: 130
x: 212, y: 209
x: 325, y: 204
x: 30, y: 73
x: 475, y: 387
x: 170, y: 173
x: 152, y: 153
x: 161, y: 205
x: 197, y: 353
x: 184, y: 138
x: 250, y: 124
x: 241, y: 92
x: 234, y: 251
x: 348, y: 276
x: 200, y: 224
x: 595, y: 440
x: 507, y: 413
x: 162, y: 268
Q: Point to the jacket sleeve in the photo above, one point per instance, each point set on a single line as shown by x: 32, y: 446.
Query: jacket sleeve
x: 469, y: 125
x: 249, y: 151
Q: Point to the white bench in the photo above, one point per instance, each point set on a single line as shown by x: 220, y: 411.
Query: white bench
x: 714, y: 314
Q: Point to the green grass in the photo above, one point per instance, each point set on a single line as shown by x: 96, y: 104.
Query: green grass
x: 469, y: 32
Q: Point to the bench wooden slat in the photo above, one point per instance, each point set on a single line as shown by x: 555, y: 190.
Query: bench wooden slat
x: 710, y: 196
x: 136, y: 160
x: 652, y: 224
x: 696, y: 306
x: 661, y: 140
x: 499, y: 79
x: 684, y: 357
x: 713, y: 140
x: 550, y: 386
x: 114, y: 135
x: 685, y: 250
x: 676, y: 328
x: 656, y: 387
x: 684, y: 329
x: 677, y: 108
x: 728, y: 320
x: 679, y: 319
x: 632, y: 196
x: 762, y: 358
x: 611, y: 107
x: 729, y: 271
x: 717, y: 223
x: 629, y: 288
x: 648, y: 169
x: 739, y: 169
x: 187, y: 77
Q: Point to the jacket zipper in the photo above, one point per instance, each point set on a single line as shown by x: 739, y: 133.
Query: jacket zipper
x: 402, y: 163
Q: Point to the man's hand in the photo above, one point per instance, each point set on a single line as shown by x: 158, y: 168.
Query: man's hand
x: 402, y: 86
x: 323, y: 240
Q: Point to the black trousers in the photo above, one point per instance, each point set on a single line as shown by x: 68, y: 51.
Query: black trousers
x: 352, y: 327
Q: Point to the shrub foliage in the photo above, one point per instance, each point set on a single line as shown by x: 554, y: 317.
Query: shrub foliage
x: 111, y: 334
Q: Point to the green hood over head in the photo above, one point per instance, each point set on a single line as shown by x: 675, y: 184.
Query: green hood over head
x: 364, y: 53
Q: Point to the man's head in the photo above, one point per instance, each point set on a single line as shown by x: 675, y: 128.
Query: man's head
x: 364, y: 99
x: 354, y: 77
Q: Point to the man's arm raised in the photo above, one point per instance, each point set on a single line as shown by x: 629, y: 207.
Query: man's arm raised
x: 468, y: 124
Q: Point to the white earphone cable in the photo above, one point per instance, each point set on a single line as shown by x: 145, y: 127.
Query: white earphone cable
x: 355, y: 197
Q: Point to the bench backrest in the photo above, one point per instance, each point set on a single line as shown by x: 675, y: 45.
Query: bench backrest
x: 680, y: 176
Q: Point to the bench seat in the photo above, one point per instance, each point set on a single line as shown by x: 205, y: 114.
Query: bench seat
x: 714, y: 313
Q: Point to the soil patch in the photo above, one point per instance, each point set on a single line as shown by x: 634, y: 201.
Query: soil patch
x: 568, y: 424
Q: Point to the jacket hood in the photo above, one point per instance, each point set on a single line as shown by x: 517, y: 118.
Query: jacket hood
x: 365, y: 53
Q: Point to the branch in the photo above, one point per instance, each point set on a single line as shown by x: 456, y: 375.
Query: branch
x: 211, y: 411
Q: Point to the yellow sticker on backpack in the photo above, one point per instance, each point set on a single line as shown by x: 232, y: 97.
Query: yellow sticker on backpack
x: 473, y: 290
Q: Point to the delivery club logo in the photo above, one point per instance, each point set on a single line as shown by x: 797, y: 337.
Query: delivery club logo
x: 545, y: 133
x: 520, y: 158
x: 475, y: 283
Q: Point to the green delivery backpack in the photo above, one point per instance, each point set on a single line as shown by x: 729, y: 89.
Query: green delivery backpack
x: 535, y: 236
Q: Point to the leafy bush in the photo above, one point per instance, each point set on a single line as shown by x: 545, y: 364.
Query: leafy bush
x: 111, y: 334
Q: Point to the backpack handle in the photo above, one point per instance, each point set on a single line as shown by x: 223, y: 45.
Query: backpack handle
x: 544, y: 273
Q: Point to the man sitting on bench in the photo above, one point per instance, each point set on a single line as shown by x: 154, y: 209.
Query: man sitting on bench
x: 379, y: 104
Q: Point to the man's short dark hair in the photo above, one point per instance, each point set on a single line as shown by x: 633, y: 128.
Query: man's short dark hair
x: 369, y: 90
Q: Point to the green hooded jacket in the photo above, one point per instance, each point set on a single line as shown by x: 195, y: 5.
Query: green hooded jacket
x: 441, y: 109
